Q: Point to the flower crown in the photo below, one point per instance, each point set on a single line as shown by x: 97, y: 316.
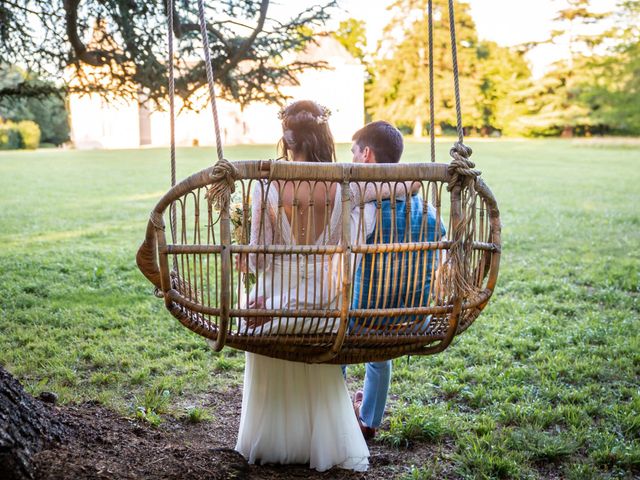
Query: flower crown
x: 319, y: 119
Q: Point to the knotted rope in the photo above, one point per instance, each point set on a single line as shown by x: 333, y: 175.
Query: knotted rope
x: 460, y: 168
x: 223, y: 183
x: 463, y: 175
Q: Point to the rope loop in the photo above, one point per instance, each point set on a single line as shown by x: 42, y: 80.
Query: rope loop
x: 223, y: 183
x: 461, y: 168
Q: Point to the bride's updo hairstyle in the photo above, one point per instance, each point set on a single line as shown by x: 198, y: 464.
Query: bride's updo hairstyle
x: 305, y: 132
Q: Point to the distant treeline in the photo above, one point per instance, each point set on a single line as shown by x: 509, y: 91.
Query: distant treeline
x: 595, y: 91
x: 31, y: 121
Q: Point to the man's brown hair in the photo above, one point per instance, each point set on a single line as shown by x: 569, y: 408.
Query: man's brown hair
x: 383, y: 138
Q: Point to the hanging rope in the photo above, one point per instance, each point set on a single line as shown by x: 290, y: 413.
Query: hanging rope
x: 172, y: 110
x: 456, y: 80
x: 463, y: 175
x: 210, y: 79
x: 432, y: 122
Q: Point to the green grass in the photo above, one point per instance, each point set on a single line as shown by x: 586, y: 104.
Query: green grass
x: 545, y: 383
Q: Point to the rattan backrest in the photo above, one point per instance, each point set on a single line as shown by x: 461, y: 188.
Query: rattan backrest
x: 359, y: 292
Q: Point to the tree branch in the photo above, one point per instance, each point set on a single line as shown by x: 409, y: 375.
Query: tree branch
x: 94, y: 58
x: 233, y: 61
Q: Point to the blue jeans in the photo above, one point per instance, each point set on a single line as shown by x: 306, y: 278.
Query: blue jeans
x: 377, y: 378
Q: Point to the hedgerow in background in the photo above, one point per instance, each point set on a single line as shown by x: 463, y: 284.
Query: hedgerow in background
x: 47, y: 110
x: 29, y: 133
x: 10, y: 138
x: 24, y: 134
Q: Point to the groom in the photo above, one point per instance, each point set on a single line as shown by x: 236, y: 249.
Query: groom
x: 381, y: 142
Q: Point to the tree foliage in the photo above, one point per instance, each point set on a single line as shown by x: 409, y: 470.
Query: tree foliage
x: 595, y: 90
x: 612, y: 93
x: 352, y: 35
x: 125, y: 43
x: 555, y: 101
x: 399, y: 91
x: 47, y: 110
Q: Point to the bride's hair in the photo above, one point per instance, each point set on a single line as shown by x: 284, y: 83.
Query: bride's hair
x: 305, y: 131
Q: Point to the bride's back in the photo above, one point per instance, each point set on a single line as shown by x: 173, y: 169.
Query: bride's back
x: 306, y: 138
x: 308, y: 207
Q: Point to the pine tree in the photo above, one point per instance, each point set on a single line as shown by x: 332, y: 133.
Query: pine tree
x: 613, y: 91
x: 556, y: 106
x: 125, y: 41
x: 399, y: 92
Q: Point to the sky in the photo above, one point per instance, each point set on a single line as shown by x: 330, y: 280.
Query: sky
x: 507, y: 22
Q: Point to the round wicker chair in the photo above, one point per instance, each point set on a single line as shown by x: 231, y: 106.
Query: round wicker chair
x: 193, y: 267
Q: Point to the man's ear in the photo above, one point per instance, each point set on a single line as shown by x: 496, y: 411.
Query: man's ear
x: 368, y: 155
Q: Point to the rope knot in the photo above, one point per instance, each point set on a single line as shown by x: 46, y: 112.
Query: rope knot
x: 223, y: 183
x: 461, y: 168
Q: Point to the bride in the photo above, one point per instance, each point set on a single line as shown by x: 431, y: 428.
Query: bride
x: 295, y: 412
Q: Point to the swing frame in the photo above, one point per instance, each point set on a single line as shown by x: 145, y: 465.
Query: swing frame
x: 462, y: 284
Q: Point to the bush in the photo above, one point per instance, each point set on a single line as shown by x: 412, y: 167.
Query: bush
x: 10, y: 137
x: 30, y: 133
x: 49, y: 111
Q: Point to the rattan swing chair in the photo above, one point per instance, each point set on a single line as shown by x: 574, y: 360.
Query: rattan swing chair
x: 194, y: 266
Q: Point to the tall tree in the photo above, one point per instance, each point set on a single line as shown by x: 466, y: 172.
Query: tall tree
x: 613, y: 92
x: 503, y: 75
x: 351, y: 34
x: 569, y: 20
x: 556, y: 106
x: 128, y: 50
x: 399, y: 91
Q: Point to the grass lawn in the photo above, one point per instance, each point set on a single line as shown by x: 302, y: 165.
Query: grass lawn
x: 546, y: 384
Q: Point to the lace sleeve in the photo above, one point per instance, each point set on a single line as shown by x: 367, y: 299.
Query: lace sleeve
x: 262, y: 227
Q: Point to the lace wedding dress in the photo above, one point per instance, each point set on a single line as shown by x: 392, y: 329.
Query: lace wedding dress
x: 296, y: 412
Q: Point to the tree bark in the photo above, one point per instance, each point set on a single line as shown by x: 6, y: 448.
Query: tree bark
x: 26, y: 426
x: 417, y: 128
x: 567, y: 132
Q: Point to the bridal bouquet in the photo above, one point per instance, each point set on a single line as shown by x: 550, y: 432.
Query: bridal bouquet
x: 241, y: 232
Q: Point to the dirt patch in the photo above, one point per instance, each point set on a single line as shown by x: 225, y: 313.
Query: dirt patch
x: 104, y: 445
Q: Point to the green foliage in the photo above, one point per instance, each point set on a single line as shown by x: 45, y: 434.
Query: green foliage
x: 612, y: 92
x: 197, y: 415
x: 10, y: 138
x: 351, y: 34
x: 423, y: 473
x: 119, y: 47
x: 30, y: 134
x: 48, y: 111
x: 489, y: 74
x: 411, y: 424
x: 503, y: 74
x: 155, y: 402
x: 398, y: 92
x: 543, y: 447
x: 594, y: 91
x: 24, y: 134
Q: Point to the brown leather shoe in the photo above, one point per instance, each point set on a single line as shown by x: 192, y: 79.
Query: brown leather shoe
x: 367, y: 432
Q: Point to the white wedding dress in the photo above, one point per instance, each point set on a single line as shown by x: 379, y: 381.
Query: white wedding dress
x: 295, y: 412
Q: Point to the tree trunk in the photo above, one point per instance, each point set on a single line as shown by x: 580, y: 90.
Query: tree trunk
x: 26, y: 426
x: 417, y: 128
x: 567, y: 132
